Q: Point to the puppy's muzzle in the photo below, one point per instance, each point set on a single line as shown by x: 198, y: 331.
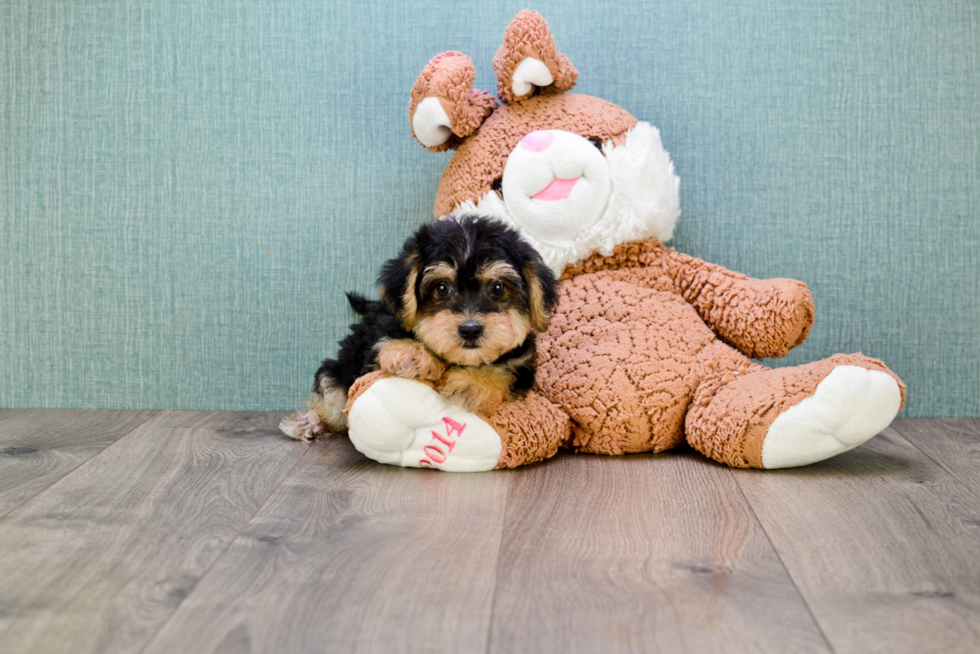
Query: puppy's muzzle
x: 470, y: 331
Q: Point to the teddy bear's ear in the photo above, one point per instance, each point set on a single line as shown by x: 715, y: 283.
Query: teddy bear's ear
x: 445, y: 107
x: 529, y: 60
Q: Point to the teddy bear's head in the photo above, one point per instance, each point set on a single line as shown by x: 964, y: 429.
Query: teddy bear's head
x: 573, y: 173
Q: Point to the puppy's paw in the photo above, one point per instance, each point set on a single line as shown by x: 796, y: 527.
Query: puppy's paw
x: 303, y: 426
x: 409, y: 360
x: 478, y: 389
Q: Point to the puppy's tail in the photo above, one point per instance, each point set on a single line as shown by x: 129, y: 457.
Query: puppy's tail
x: 358, y: 302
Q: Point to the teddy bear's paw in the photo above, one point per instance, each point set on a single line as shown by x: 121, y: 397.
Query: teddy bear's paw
x: 851, y: 405
x: 406, y: 423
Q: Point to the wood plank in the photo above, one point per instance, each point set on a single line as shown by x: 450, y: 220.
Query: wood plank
x: 640, y: 554
x: 883, y: 544
x: 352, y: 556
x: 97, y: 562
x: 953, y: 443
x: 40, y: 446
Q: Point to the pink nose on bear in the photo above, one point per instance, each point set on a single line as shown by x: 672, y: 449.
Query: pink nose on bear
x: 537, y: 141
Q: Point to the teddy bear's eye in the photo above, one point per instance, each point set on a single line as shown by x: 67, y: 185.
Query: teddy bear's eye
x: 498, y: 186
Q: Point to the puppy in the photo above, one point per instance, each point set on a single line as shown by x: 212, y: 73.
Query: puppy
x: 459, y: 308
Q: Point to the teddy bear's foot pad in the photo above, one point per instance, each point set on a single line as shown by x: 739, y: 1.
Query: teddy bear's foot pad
x: 406, y: 423
x: 851, y: 405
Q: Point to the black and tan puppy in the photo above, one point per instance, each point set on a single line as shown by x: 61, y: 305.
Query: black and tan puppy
x: 459, y: 308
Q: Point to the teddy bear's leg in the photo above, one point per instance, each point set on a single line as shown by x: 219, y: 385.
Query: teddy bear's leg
x: 749, y: 416
x: 407, y: 423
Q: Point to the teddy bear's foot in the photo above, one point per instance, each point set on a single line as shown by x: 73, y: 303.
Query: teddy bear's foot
x: 407, y: 423
x: 851, y: 405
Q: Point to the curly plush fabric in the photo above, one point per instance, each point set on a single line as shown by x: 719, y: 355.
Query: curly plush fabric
x: 531, y: 430
x: 648, y: 348
x: 777, y: 313
x: 635, y: 354
x: 635, y: 360
x: 481, y: 158
x: 738, y: 400
x: 528, y: 36
x: 449, y: 77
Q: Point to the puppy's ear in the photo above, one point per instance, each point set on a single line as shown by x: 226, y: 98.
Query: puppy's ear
x: 542, y: 291
x: 397, y: 284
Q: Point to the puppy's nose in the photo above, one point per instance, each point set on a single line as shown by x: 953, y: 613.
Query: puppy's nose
x: 537, y: 141
x: 470, y: 330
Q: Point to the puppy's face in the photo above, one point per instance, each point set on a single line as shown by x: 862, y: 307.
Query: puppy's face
x: 470, y: 289
x: 472, y: 311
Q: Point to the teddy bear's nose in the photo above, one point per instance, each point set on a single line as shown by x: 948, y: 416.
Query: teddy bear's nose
x: 537, y: 141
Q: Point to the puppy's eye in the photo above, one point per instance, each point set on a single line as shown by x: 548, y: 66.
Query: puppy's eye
x: 442, y: 290
x: 496, y: 289
x: 597, y: 142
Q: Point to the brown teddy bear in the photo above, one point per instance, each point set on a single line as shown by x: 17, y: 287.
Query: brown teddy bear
x: 648, y: 348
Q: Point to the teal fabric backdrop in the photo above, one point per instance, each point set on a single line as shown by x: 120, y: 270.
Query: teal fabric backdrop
x: 187, y: 187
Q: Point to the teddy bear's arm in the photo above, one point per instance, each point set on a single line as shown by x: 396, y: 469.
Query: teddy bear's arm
x: 759, y: 317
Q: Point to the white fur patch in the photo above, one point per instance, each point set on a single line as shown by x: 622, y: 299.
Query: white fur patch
x: 644, y: 203
x: 851, y: 405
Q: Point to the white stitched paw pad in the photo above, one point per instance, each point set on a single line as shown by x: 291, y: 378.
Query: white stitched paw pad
x: 849, y: 406
x: 406, y: 423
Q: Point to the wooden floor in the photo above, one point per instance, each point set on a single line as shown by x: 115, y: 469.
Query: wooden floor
x: 128, y: 531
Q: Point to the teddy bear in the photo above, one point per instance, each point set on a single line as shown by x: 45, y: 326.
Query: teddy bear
x: 648, y: 348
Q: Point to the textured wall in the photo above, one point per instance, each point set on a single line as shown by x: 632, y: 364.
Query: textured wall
x: 186, y: 187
